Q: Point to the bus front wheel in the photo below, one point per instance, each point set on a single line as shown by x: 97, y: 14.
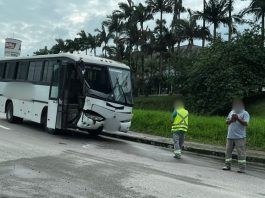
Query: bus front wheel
x: 95, y: 133
x: 10, y: 114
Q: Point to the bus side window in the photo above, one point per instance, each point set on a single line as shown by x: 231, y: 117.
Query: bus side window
x: 38, y: 71
x: 10, y: 70
x: 48, y: 71
x: 35, y: 71
x: 2, y: 70
x: 22, y: 71
x: 31, y: 71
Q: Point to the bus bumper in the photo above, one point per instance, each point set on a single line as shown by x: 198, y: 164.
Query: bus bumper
x: 111, y: 125
x: 125, y: 126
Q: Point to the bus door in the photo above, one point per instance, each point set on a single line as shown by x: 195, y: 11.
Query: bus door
x: 71, y: 94
x: 53, y: 117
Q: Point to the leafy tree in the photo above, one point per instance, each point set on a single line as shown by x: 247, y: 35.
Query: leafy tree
x: 257, y: 7
x: 226, y: 70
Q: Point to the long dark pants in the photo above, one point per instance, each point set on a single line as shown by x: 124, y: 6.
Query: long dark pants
x: 240, y: 145
x: 178, y: 138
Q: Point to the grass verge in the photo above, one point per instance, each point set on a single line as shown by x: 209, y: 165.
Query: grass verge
x: 203, y: 129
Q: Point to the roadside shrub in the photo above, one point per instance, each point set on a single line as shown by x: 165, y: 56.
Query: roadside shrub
x: 226, y: 70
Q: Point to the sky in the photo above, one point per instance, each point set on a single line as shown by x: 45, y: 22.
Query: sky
x: 39, y: 22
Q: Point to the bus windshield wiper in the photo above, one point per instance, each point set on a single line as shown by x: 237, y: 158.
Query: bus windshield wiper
x: 121, y: 90
x: 124, y: 95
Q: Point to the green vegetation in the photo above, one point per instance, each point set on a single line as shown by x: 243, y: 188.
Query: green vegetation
x: 226, y: 70
x: 163, y: 103
x: 257, y: 109
x: 204, y: 129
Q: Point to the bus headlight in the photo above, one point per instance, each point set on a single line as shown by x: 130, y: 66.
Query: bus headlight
x: 94, y: 116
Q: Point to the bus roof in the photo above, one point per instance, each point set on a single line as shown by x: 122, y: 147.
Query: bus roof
x: 85, y: 58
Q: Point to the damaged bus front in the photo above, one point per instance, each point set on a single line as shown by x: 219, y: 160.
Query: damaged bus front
x: 108, y: 97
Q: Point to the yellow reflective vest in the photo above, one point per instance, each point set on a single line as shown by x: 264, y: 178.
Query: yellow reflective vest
x: 181, y: 121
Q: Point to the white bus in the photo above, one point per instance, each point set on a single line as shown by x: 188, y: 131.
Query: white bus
x: 67, y: 91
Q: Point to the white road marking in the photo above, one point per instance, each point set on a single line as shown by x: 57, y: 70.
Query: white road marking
x: 3, y: 127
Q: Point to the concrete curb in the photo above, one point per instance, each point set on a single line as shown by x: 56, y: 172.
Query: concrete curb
x: 189, y: 146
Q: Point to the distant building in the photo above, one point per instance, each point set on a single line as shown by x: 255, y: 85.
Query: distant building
x: 12, y: 47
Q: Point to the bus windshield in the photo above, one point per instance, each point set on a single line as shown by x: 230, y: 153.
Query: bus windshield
x: 114, y: 82
x: 121, y: 83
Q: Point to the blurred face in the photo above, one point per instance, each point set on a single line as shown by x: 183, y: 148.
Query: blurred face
x: 238, y: 106
x: 178, y: 104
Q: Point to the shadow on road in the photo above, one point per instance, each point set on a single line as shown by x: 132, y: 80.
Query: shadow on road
x: 67, y: 134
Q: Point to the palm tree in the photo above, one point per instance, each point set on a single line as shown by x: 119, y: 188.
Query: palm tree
x: 160, y: 6
x: 130, y: 31
x: 43, y: 51
x: 72, y: 45
x: 215, y: 13
x: 59, y: 47
x: 204, y: 24
x: 94, y: 43
x: 190, y: 30
x: 104, y: 38
x: 125, y: 9
x: 114, y: 24
x: 257, y: 7
x: 142, y: 14
x: 132, y: 37
x: 84, y: 41
x: 230, y: 23
x: 177, y: 10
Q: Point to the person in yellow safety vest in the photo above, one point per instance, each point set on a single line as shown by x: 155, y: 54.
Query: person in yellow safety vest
x: 180, y: 122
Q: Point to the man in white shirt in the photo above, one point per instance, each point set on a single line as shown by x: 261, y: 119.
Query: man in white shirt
x: 237, y: 121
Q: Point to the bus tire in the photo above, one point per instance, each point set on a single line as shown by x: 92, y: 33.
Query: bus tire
x: 96, y: 133
x: 44, y: 123
x: 10, y: 114
x: 52, y: 131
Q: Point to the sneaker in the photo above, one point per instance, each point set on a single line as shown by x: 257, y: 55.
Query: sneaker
x: 177, y: 157
x: 241, y: 170
x: 226, y: 168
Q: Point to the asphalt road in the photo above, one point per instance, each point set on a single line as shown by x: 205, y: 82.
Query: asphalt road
x: 36, y: 164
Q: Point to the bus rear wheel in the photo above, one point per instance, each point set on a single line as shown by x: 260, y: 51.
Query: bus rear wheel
x: 10, y: 114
